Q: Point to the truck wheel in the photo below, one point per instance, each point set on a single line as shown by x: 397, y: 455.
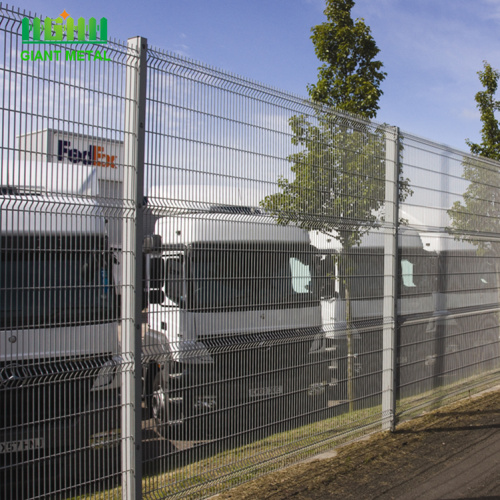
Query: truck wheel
x: 159, y: 404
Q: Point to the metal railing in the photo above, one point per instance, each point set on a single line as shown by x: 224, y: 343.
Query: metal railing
x: 205, y: 279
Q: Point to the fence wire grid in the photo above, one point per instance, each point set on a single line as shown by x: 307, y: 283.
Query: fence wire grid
x: 204, y: 279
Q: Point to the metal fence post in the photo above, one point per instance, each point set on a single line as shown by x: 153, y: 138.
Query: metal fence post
x: 133, y: 196
x: 390, y: 280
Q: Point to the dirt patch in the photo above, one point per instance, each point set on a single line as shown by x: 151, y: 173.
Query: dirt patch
x: 395, y: 465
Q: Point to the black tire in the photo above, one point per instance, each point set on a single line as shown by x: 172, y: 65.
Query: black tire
x: 159, y: 405
x: 148, y: 389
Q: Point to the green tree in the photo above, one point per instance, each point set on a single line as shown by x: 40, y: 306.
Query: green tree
x: 337, y: 184
x: 475, y: 218
x: 488, y: 105
x: 350, y: 77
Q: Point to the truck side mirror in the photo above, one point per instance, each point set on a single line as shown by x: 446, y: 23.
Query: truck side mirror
x: 156, y: 296
x: 156, y: 272
x: 152, y: 244
x: 174, y: 284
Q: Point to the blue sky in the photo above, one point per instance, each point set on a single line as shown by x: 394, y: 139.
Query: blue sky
x: 431, y: 49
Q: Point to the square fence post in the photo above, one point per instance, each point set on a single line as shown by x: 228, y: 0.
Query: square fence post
x: 132, y: 282
x: 390, y: 280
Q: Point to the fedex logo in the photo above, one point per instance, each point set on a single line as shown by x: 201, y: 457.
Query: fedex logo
x: 94, y: 155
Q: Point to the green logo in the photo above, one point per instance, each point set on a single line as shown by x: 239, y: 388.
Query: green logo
x: 64, y: 30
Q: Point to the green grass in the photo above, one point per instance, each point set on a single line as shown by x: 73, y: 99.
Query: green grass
x: 243, y: 463
x: 235, y: 465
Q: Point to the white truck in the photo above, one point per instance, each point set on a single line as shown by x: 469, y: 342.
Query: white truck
x: 234, y: 338
x: 447, y: 309
x: 58, y: 333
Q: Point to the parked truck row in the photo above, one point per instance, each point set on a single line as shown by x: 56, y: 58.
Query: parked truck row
x: 247, y: 322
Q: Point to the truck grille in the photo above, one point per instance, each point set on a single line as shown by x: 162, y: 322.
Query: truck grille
x: 42, y: 392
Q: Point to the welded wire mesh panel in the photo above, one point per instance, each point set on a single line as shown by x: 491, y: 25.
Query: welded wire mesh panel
x: 278, y: 285
x: 449, y: 302
x: 265, y: 216
x: 61, y: 211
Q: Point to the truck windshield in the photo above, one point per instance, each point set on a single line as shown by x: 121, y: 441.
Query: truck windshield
x: 363, y: 271
x: 252, y: 276
x: 49, y: 282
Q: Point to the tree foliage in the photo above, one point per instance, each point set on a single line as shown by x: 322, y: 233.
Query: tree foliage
x: 338, y: 176
x: 350, y: 77
x: 488, y: 105
x: 479, y: 212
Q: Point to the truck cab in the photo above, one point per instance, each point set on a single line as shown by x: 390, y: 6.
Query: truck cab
x: 58, y: 331
x: 234, y: 332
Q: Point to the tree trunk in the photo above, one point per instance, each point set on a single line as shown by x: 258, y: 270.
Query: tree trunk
x: 350, y: 349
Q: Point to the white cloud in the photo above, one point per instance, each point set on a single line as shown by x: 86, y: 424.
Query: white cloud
x: 493, y: 9
x: 470, y: 114
x: 317, y: 4
x: 182, y: 49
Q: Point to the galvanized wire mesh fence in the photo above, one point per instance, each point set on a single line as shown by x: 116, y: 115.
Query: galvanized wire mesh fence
x: 205, y: 279
x: 448, y: 332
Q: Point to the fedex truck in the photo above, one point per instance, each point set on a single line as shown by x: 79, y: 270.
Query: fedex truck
x: 58, y: 335
x: 234, y: 339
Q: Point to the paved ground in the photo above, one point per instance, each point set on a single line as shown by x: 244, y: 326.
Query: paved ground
x: 452, y: 453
